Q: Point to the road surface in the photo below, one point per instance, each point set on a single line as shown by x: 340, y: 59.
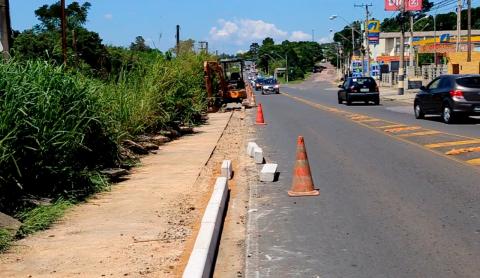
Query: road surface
x: 392, y: 203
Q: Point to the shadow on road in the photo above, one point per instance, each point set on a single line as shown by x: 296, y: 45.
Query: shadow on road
x: 461, y: 121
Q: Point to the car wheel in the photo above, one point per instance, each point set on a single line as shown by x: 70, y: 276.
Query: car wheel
x: 349, y: 102
x: 447, y: 114
x: 340, y: 101
x: 418, y: 111
x: 377, y: 101
x: 263, y: 92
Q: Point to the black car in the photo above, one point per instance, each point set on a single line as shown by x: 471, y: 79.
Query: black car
x: 451, y: 96
x: 259, y: 83
x: 270, y: 85
x: 359, y: 89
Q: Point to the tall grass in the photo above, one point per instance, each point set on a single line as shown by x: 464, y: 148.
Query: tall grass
x: 58, y: 128
x: 51, y: 134
x: 154, y: 96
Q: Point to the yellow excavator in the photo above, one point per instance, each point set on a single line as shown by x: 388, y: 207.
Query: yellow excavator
x: 231, y: 85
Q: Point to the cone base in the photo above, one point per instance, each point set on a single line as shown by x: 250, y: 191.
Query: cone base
x: 306, y: 193
x: 260, y: 123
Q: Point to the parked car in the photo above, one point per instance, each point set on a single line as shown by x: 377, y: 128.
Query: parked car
x: 258, y: 83
x: 270, y: 85
x: 451, y: 96
x: 359, y: 89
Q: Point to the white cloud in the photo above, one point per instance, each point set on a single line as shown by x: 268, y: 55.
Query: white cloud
x: 299, y: 36
x: 245, y: 30
x: 108, y: 16
x: 240, y: 51
x: 325, y: 40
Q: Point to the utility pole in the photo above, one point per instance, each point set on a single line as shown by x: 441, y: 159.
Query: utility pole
x: 469, y: 35
x: 412, y: 50
x: 64, y: 32
x: 401, y: 72
x: 435, y: 40
x: 203, y: 46
x: 178, y: 40
x: 5, y: 28
x: 367, y: 44
x: 459, y: 24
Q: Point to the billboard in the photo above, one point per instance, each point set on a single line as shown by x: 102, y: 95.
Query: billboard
x: 410, y: 5
x: 373, y: 27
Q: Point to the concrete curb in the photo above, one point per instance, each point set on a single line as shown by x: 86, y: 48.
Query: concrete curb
x: 226, y: 169
x: 202, y: 258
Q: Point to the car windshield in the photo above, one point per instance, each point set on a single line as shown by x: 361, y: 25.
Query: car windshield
x: 470, y: 82
x: 363, y: 81
x: 270, y: 81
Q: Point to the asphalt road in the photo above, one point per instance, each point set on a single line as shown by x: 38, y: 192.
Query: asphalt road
x: 388, y: 206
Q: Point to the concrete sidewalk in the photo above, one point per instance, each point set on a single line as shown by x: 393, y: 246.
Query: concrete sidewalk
x: 391, y: 94
x: 139, y: 228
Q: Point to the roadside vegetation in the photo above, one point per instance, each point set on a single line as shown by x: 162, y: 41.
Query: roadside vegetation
x: 61, y: 125
x: 301, y: 56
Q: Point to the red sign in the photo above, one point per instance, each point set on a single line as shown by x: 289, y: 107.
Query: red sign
x: 410, y: 5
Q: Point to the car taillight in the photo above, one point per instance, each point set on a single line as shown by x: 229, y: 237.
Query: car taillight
x: 376, y: 89
x: 456, y: 94
x: 353, y: 89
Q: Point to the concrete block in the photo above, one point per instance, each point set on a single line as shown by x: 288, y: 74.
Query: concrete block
x: 268, y: 172
x: 251, y: 146
x: 226, y: 170
x: 258, y: 155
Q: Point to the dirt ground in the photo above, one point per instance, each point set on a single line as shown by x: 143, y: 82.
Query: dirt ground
x: 231, y: 253
x: 143, y: 227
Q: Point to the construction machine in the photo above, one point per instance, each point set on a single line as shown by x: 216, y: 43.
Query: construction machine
x: 231, y: 85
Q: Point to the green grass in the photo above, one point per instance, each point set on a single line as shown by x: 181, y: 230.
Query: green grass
x: 5, y: 239
x: 282, y: 80
x: 58, y: 128
x: 41, y: 217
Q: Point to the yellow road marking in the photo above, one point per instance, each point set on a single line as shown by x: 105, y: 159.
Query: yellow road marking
x: 451, y: 144
x: 475, y: 161
x: 420, y: 133
x: 398, y: 129
x: 463, y: 150
x: 403, y: 137
x: 390, y: 126
x: 370, y: 120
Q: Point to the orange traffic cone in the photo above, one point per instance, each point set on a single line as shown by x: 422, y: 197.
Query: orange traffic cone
x: 302, y: 184
x: 260, y: 119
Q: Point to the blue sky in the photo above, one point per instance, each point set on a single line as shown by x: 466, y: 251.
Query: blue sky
x: 228, y: 25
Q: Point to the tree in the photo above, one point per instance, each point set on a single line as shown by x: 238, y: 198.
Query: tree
x: 393, y: 24
x: 186, y: 46
x: 84, y: 48
x: 139, y: 45
x: 268, y: 42
x: 50, y: 16
x: 254, y: 47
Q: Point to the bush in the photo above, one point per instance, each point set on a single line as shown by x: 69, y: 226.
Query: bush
x: 52, y: 135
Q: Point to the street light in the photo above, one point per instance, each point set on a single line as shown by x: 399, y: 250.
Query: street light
x: 412, y: 50
x: 344, y: 38
x: 333, y: 17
